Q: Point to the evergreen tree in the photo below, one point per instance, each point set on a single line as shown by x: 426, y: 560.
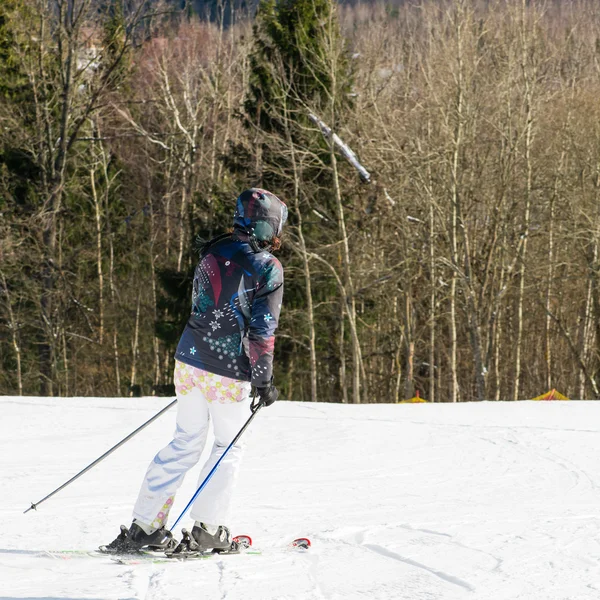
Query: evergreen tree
x: 298, y: 65
x: 12, y: 79
x: 292, y: 34
x: 115, y: 46
x: 292, y: 70
x: 16, y: 108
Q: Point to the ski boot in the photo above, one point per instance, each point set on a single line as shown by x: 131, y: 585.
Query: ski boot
x: 200, y: 541
x: 220, y: 540
x: 135, y: 539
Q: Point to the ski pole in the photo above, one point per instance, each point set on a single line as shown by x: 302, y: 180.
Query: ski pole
x: 254, y: 408
x: 64, y: 485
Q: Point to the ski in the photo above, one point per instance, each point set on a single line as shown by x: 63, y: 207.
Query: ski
x: 156, y: 556
x: 241, y: 544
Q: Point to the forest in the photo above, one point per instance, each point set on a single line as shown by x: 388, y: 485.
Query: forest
x: 462, y: 264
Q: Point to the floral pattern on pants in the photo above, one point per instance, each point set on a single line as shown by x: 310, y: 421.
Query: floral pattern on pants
x: 161, y: 518
x: 215, y: 388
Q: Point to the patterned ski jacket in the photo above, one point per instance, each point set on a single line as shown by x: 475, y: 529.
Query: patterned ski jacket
x: 237, y: 295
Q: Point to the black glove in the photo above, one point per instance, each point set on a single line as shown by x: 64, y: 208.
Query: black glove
x: 267, y: 394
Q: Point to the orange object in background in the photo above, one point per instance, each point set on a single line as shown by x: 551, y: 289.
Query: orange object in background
x: 551, y: 395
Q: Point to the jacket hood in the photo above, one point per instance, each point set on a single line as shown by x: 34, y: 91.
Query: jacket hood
x: 260, y: 213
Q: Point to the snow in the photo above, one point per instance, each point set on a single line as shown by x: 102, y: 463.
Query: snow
x: 487, y: 501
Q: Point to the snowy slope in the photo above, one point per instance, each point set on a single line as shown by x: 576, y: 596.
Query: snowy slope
x: 488, y: 501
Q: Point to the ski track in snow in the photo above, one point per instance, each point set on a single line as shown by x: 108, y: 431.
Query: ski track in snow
x: 444, y: 576
x: 486, y: 501
x: 358, y: 539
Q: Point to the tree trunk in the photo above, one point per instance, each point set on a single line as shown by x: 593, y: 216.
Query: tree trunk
x: 409, y: 383
x: 343, y: 382
x: 586, y: 334
x: 182, y: 220
x: 305, y: 264
x: 528, y: 82
x: 14, y: 333
x: 549, y: 285
x: 135, y: 345
x: 98, y: 215
x: 114, y: 308
x: 155, y: 341
x: 457, y: 147
x: 351, y: 301
x: 65, y: 362
x: 432, y: 302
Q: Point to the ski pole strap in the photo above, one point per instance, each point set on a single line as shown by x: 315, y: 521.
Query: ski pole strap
x: 256, y: 403
x: 34, y: 505
x: 254, y: 408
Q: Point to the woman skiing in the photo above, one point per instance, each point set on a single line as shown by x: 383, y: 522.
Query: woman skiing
x: 226, y: 349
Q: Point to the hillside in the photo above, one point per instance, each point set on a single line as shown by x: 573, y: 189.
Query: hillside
x: 493, y: 501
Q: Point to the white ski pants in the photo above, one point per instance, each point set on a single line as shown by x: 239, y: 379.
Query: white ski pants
x: 202, y: 397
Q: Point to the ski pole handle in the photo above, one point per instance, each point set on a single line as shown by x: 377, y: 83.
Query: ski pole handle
x: 257, y: 403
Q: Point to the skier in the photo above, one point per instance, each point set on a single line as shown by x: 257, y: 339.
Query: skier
x: 226, y: 349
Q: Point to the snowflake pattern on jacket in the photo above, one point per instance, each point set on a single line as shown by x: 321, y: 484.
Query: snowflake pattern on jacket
x: 236, y: 299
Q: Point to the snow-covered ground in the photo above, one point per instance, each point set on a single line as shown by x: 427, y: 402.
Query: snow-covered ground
x: 488, y: 501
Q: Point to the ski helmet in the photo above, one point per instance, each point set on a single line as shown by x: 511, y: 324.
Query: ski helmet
x: 260, y: 214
